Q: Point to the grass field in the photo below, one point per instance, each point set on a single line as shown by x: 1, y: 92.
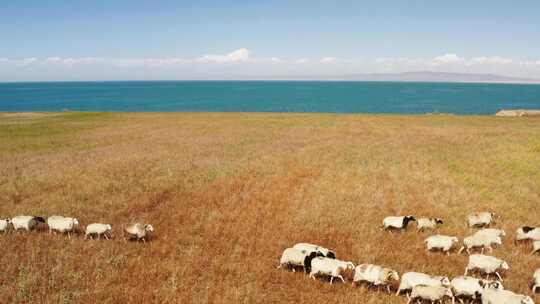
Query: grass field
x: 227, y: 193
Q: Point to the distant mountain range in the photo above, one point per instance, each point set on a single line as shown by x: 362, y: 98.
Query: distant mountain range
x: 424, y: 76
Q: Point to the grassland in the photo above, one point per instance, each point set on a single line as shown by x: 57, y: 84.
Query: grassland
x: 227, y: 193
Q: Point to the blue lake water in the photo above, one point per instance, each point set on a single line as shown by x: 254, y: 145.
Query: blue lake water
x: 269, y: 96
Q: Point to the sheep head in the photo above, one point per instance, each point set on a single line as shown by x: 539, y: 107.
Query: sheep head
x: 148, y: 228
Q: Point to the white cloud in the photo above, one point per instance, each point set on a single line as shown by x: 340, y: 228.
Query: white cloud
x: 52, y: 59
x: 4, y: 60
x: 240, y: 55
x: 538, y: 62
x: 30, y: 60
x: 275, y: 59
x: 328, y: 60
x: 302, y: 60
x: 148, y: 62
x: 447, y: 59
x: 490, y: 60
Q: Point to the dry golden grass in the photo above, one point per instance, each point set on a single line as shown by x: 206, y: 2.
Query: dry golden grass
x: 227, y: 193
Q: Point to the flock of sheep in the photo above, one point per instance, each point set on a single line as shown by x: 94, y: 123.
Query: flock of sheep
x: 61, y: 224
x: 318, y: 260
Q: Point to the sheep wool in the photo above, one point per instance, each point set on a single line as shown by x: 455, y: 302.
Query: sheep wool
x: 482, y: 241
x: 411, y: 279
x: 98, y: 229
x: 441, y: 242
x: 138, y: 231
x: 328, y: 267
x: 4, y: 224
x: 397, y: 222
x: 428, y: 223
x: 26, y: 222
x: 536, y: 280
x: 469, y: 287
x: 307, y: 247
x: 495, y: 296
x: 430, y: 293
x: 375, y: 274
x: 480, y: 219
x: 486, y: 264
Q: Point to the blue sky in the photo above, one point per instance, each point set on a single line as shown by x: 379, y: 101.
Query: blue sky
x: 96, y: 40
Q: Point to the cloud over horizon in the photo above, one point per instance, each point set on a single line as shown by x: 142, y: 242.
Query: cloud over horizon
x: 240, y: 63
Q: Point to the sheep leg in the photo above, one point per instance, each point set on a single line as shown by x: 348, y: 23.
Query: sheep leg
x: 106, y: 237
x: 341, y: 277
x: 331, y: 279
x: 388, y: 288
x: 482, y: 250
x: 499, y: 276
x: 409, y: 301
x: 466, y: 270
x: 534, y: 288
x: 461, y: 249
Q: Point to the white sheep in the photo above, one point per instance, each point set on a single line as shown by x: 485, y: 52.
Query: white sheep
x: 329, y: 267
x: 397, y: 222
x: 138, y: 231
x: 311, y: 247
x: 527, y: 233
x: 536, y: 246
x: 292, y: 257
x: 411, y: 279
x: 491, y: 232
x: 4, y: 224
x: 62, y: 224
x: 536, y: 280
x: 375, y: 274
x: 26, y: 222
x: 430, y: 293
x: 98, y: 229
x: 471, y: 288
x: 486, y: 264
x: 482, y: 241
x: 428, y: 223
x: 480, y: 219
x: 495, y: 296
x: 441, y: 242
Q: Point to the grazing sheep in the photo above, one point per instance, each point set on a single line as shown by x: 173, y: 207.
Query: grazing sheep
x: 137, y: 231
x: 486, y: 264
x: 397, y: 222
x: 527, y: 233
x: 293, y: 257
x: 480, y: 219
x: 98, y: 229
x: 375, y: 274
x: 62, y: 224
x: 491, y: 233
x: 495, y: 296
x: 411, y: 279
x: 430, y: 293
x: 441, y: 242
x: 26, y: 222
x: 471, y: 288
x: 536, y: 280
x: 329, y: 267
x: 310, y: 247
x: 4, y: 224
x: 482, y: 241
x: 536, y: 247
x: 428, y: 223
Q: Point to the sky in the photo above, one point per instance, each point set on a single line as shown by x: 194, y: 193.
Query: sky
x: 52, y: 40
